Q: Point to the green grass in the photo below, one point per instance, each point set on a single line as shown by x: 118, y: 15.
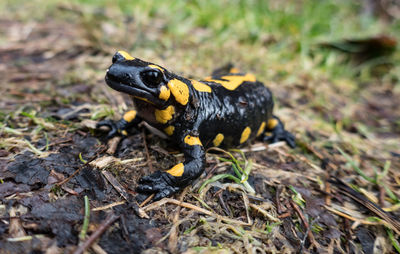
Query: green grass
x: 254, y: 33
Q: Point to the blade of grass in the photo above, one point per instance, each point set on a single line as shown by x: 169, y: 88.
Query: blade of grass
x: 355, y: 167
x: 393, y: 240
x: 85, y: 225
x: 219, y: 177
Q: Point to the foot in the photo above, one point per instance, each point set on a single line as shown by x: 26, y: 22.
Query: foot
x: 280, y: 134
x: 116, y: 127
x: 158, y: 183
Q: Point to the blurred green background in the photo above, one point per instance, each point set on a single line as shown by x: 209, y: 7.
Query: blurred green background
x: 272, y: 38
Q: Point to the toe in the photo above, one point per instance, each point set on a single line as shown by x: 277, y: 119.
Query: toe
x: 145, y: 189
x: 166, y: 192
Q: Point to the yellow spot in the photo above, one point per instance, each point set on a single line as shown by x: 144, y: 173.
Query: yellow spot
x: 124, y: 132
x: 190, y: 140
x: 261, y: 129
x: 234, y: 70
x: 163, y: 116
x: 177, y: 170
x: 130, y: 115
x: 180, y: 91
x: 164, y: 93
x: 245, y: 135
x: 201, y: 87
x: 156, y: 67
x: 218, y: 139
x: 272, y: 123
x: 169, y: 130
x: 126, y: 55
x: 231, y: 82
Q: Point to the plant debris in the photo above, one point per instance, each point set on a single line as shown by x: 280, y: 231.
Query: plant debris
x: 65, y: 188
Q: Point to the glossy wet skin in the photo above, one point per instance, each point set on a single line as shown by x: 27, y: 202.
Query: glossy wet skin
x: 135, y: 77
x: 227, y: 109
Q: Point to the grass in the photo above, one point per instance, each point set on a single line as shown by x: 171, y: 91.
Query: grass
x: 242, y: 174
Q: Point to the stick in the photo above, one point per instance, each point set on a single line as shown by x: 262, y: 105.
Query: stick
x: 108, y: 221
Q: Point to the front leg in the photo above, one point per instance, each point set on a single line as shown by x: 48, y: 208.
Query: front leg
x: 166, y: 183
x: 121, y: 126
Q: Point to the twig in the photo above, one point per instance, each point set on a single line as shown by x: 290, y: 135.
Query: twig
x: 305, y: 222
x: 265, y: 213
x: 96, y: 248
x: 114, y: 182
x: 113, y: 144
x: 221, y: 200
x: 284, y: 215
x: 108, y: 221
x: 147, y: 154
x: 193, y: 207
x: 172, y: 241
x: 80, y: 167
x: 328, y: 198
x: 60, y: 142
x: 371, y: 206
x: 278, y: 201
x: 246, y: 206
x: 147, y: 200
x: 100, y: 208
x: 360, y: 221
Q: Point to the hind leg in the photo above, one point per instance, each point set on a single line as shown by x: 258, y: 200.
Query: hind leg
x: 276, y: 127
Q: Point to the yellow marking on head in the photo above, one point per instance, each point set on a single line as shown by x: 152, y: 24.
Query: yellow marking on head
x: 190, y: 140
x: 261, y: 129
x: 125, y: 55
x: 179, y: 90
x: 177, y: 170
x: 218, y: 139
x: 234, y: 70
x: 156, y: 67
x: 231, y: 82
x: 245, y: 135
x: 164, y: 93
x: 272, y: 123
x: 130, y: 115
x: 163, y: 116
x: 169, y: 130
x: 201, y: 87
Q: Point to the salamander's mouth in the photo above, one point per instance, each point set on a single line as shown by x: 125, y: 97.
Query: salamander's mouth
x: 127, y: 88
x: 134, y: 91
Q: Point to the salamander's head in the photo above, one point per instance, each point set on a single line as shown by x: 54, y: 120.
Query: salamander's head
x: 140, y: 79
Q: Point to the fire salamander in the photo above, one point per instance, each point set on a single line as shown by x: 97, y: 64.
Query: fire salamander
x: 227, y: 109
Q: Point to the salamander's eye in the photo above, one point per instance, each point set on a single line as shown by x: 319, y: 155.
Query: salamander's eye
x: 151, y: 78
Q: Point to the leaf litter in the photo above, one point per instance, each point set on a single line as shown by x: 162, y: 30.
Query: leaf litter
x: 334, y: 193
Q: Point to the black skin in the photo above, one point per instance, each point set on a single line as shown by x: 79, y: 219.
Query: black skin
x: 205, y: 115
